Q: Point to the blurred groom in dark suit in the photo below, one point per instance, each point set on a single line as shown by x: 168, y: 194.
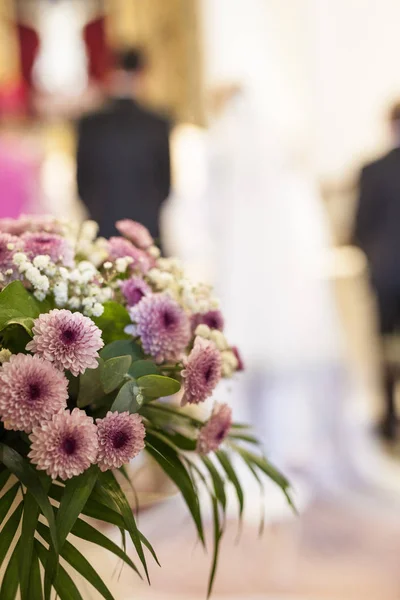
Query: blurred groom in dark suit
x: 377, y: 233
x: 123, y: 160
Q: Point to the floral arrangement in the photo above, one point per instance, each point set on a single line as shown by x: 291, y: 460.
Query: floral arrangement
x: 103, y: 344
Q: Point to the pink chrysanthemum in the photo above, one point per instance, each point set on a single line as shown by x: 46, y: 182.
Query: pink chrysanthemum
x: 31, y: 390
x: 202, y: 372
x: 65, y: 446
x: 9, y: 244
x: 162, y: 325
x: 121, y: 438
x: 58, y: 248
x: 213, y: 433
x: 137, y: 233
x: 119, y: 247
x: 213, y: 319
x: 32, y: 223
x: 69, y: 340
x: 134, y: 289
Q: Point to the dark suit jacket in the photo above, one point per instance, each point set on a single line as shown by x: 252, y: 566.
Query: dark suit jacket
x: 377, y: 225
x: 123, y: 165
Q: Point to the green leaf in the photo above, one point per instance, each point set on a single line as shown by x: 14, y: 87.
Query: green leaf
x: 217, y: 539
x: 76, y: 493
x: 7, y: 500
x: 9, y: 531
x: 90, y: 386
x: 139, y: 368
x: 85, y: 531
x: 112, y: 487
x: 29, y: 478
x: 122, y: 348
x: 114, y: 371
x: 79, y: 563
x: 170, y: 463
x: 218, y: 482
x: 64, y: 586
x: 113, y: 322
x: 10, y: 582
x: 264, y: 466
x: 126, y: 399
x: 17, y: 306
x: 100, y: 512
x: 230, y: 471
x: 29, y: 522
x: 35, y: 583
x: 174, y: 413
x: 158, y: 386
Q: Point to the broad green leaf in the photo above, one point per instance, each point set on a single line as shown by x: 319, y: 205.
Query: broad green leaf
x: 218, y: 482
x: 169, y: 461
x: 139, y: 368
x: 30, y: 479
x: 29, y: 522
x: 90, y: 386
x: 64, y: 586
x: 85, y: 531
x: 15, y: 338
x: 7, y: 500
x: 112, y: 487
x: 122, y: 348
x: 79, y: 563
x: 113, y: 322
x: 17, y: 306
x: 114, y: 371
x: 158, y: 386
x: 230, y: 471
x: 35, y: 582
x: 126, y: 399
x: 8, y: 532
x: 10, y: 581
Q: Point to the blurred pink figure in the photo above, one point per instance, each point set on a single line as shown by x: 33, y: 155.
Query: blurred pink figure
x: 19, y: 162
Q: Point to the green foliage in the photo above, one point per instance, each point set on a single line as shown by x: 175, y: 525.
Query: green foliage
x: 113, y: 322
x: 122, y: 348
x: 18, y: 307
x: 158, y: 386
x: 90, y: 386
x: 126, y: 399
x: 113, y: 372
x: 139, y: 368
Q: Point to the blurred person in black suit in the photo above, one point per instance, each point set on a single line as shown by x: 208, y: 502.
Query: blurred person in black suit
x: 123, y: 160
x: 377, y: 233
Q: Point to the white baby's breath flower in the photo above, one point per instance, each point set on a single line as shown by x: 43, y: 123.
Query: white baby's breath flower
x: 51, y: 270
x: 39, y: 295
x: 219, y: 339
x: 42, y: 283
x: 97, y: 309
x: 108, y: 265
x: 74, y: 303
x: 10, y: 246
x: 154, y: 251
x: 203, y: 331
x: 9, y: 272
x: 5, y: 355
x: 20, y: 258
x: 64, y: 273
x: 121, y: 264
x: 41, y: 261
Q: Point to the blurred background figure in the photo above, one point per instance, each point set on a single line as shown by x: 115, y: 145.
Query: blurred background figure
x: 123, y: 162
x: 20, y: 156
x: 377, y: 233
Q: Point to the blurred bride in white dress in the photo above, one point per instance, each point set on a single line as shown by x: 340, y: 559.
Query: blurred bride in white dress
x: 257, y: 227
